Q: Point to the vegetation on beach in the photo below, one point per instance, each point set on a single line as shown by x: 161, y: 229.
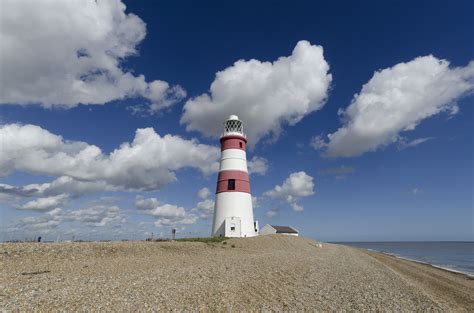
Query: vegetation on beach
x: 204, y: 239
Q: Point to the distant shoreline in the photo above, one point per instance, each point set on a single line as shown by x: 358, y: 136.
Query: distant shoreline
x: 450, y: 270
x: 451, y: 256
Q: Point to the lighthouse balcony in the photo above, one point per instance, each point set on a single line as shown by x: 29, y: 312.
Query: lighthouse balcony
x: 233, y: 133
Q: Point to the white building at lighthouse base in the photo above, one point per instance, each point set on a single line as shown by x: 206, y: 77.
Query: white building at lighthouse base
x: 234, y: 221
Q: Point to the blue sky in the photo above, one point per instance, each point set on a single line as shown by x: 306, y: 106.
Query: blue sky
x: 370, y: 108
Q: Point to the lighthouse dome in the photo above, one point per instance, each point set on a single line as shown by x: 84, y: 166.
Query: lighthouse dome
x: 233, y: 117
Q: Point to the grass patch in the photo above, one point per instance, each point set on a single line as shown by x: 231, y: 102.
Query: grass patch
x: 203, y: 239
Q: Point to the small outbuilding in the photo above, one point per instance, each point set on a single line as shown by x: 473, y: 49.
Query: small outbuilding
x: 274, y: 229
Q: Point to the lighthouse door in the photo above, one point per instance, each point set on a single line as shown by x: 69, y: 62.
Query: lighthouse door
x: 232, y: 227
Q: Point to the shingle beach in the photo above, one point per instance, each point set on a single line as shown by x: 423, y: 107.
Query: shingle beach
x: 278, y: 273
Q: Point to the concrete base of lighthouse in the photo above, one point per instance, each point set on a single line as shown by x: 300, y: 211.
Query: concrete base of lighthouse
x: 233, y: 216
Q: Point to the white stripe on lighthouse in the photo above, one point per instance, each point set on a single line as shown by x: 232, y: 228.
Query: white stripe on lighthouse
x: 233, y: 160
x: 233, y: 153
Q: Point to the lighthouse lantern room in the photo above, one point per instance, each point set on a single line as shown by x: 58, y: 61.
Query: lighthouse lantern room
x: 233, y: 212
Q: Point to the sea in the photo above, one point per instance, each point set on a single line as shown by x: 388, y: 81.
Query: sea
x: 457, y: 256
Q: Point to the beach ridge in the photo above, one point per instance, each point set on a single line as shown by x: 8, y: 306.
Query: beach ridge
x: 265, y: 273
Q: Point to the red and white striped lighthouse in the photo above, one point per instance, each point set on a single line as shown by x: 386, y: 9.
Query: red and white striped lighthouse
x: 233, y: 212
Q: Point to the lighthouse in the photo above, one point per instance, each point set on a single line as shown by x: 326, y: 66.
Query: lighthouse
x: 233, y: 212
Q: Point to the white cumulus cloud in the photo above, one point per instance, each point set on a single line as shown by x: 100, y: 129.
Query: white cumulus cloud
x: 147, y: 163
x: 396, y: 100
x: 258, y: 165
x: 297, y: 185
x: 318, y: 142
x: 44, y: 204
x: 64, y: 53
x: 265, y: 95
x: 166, y: 214
x: 63, y: 187
x: 98, y: 215
x: 205, y: 207
x: 48, y: 221
x: 203, y: 193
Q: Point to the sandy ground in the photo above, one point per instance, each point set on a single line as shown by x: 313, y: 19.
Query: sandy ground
x: 268, y: 272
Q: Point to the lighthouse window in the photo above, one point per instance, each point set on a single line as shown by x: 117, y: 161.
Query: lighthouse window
x: 231, y: 184
x: 240, y: 144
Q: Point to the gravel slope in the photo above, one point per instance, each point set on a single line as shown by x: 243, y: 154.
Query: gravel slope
x: 266, y: 272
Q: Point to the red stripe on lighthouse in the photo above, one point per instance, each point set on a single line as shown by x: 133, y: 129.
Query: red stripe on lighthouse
x: 242, y: 183
x: 233, y: 142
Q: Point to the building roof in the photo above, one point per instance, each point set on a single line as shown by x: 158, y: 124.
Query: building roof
x: 284, y: 229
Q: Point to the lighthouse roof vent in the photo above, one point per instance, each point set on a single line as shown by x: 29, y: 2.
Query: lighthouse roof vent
x: 233, y: 126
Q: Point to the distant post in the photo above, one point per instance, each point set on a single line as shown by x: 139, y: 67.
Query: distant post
x: 173, y: 233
